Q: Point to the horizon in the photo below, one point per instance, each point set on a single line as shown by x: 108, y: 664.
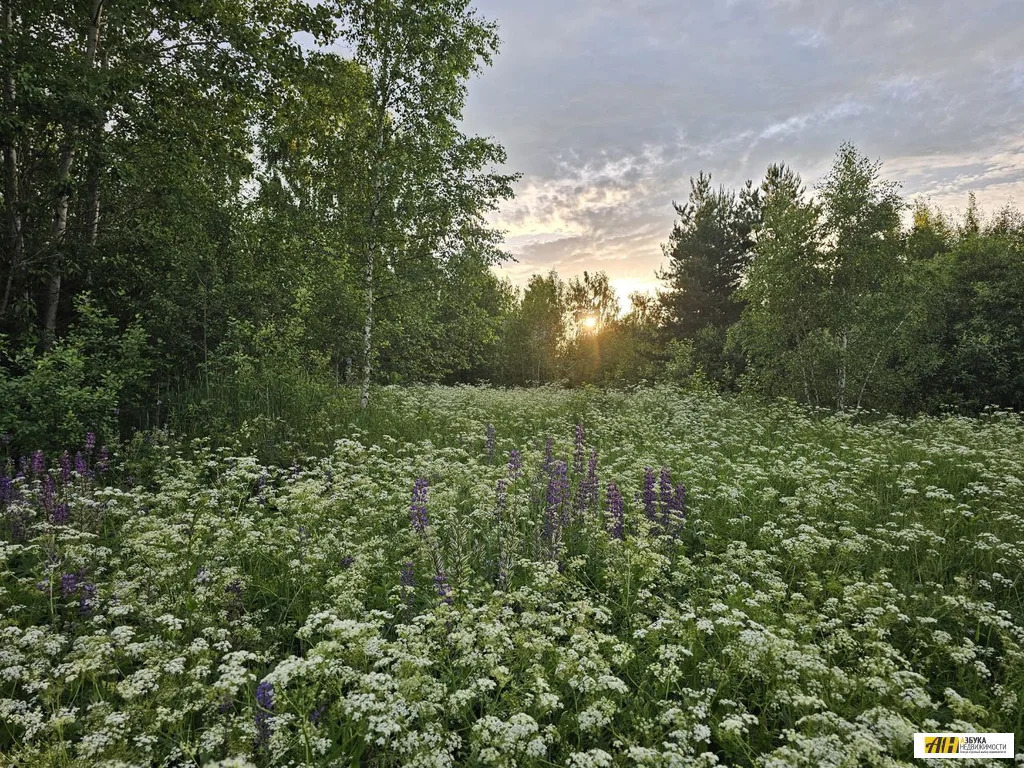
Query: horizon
x: 583, y: 98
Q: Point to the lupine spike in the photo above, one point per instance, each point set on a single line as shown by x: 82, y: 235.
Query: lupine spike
x: 443, y: 588
x: 85, y: 598
x: 81, y: 466
x: 61, y: 513
x: 408, y: 575
x: 418, y: 509
x: 557, y: 495
x: 48, y: 491
x: 615, y: 515
x: 515, y: 463
x: 665, y: 496
x: 68, y: 585
x: 264, y: 708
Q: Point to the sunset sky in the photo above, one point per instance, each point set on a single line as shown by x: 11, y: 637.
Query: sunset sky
x: 607, y: 107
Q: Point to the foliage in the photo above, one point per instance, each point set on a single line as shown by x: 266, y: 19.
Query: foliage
x: 708, y: 253
x: 211, y: 177
x: 844, y: 309
x: 77, y: 386
x: 820, y: 590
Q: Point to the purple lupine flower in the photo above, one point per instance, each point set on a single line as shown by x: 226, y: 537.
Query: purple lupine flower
x: 515, y: 463
x: 549, y: 448
x: 38, y: 463
x: 48, y: 490
x: 592, y: 477
x: 418, y: 508
x: 68, y: 584
x: 6, y: 489
x: 408, y: 575
x: 578, y: 452
x: 501, y: 497
x: 346, y: 562
x: 318, y: 713
x: 103, y: 461
x: 444, y: 590
x: 557, y: 495
x: 81, y: 466
x: 61, y: 513
x: 23, y: 467
x: 558, y: 485
x: 679, y: 506
x: 90, y: 442
x: 588, y: 486
x: 489, y: 443
x: 665, y: 496
x: 264, y: 710
x: 65, y: 467
x: 87, y: 592
x: 648, y: 495
x: 614, y: 501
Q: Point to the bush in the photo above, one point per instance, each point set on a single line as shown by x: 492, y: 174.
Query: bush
x: 51, y: 398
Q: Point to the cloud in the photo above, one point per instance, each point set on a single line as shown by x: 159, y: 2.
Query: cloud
x: 609, y: 106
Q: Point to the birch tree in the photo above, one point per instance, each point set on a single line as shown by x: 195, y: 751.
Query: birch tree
x: 426, y: 186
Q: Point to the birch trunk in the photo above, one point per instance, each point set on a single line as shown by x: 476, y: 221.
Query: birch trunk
x: 841, y: 394
x: 12, y: 192
x: 371, y: 236
x: 60, y: 231
x: 60, y: 213
x: 364, y: 397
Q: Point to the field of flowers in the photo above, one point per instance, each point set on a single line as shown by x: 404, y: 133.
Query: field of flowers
x: 522, y: 578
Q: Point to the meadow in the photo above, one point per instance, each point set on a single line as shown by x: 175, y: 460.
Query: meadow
x: 483, y: 577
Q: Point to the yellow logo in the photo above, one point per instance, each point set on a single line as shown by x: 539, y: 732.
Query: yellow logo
x: 942, y: 745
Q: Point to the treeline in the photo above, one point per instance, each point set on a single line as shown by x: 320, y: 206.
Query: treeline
x: 844, y: 296
x: 220, y: 210
x: 849, y: 297
x: 228, y: 205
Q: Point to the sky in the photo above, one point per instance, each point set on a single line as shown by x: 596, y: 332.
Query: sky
x: 608, y: 107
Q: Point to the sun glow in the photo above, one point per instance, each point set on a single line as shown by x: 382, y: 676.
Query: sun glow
x: 589, y: 322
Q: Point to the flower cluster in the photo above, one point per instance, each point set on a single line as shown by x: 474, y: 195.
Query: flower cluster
x: 820, y: 589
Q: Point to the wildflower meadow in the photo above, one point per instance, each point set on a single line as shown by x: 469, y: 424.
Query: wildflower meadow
x: 483, y: 577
